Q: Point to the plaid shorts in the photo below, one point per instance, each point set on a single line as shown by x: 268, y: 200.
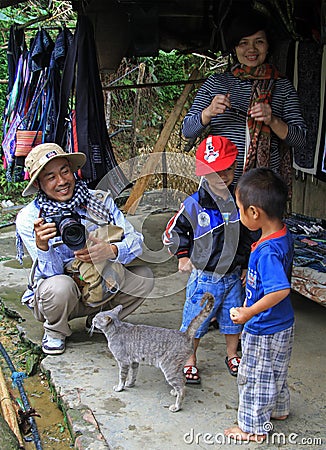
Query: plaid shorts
x: 262, y: 375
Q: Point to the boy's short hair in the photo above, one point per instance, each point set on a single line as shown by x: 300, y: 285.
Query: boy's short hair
x: 214, y: 154
x: 265, y: 189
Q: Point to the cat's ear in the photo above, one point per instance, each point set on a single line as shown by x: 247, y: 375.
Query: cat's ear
x: 118, y: 309
x: 114, y: 313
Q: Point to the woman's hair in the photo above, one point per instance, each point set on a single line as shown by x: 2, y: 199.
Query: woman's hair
x: 244, y: 24
x: 264, y: 189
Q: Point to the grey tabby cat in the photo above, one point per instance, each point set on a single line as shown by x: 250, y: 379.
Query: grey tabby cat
x: 161, y: 347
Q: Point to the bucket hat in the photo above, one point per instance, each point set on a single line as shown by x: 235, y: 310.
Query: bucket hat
x: 40, y: 155
x: 215, y: 153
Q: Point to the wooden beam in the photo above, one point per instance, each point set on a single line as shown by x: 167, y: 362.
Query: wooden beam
x: 149, y: 168
x: 8, y: 411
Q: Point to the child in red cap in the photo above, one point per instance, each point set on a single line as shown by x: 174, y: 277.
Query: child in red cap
x: 209, y: 241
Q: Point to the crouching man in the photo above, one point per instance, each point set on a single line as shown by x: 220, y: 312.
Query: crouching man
x: 52, y: 229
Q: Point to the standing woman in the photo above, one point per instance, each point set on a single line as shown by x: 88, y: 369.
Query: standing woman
x: 253, y: 105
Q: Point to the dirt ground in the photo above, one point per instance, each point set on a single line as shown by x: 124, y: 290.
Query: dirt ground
x: 211, y: 407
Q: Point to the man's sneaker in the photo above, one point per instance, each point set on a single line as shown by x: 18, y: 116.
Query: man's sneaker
x: 53, y: 346
x: 88, y: 325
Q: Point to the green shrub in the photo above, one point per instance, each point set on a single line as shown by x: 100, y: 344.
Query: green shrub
x: 169, y: 67
x: 10, y: 190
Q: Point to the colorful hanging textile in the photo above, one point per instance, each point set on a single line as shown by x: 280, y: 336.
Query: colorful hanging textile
x: 32, y: 107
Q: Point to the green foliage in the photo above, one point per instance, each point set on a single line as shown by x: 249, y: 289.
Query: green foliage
x: 10, y: 190
x: 168, y: 67
x: 24, y: 355
x: 3, y: 87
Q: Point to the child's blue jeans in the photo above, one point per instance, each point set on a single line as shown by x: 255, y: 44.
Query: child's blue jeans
x: 227, y: 291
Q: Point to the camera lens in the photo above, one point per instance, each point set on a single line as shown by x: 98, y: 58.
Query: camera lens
x: 73, y: 233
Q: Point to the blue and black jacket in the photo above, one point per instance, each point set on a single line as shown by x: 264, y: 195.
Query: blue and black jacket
x: 208, y: 230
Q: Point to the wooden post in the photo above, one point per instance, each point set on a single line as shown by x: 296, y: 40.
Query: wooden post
x: 146, y: 174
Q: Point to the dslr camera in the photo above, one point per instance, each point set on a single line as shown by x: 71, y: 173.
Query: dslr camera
x: 70, y: 228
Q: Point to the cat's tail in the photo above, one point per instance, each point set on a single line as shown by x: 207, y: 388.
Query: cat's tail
x: 208, y: 299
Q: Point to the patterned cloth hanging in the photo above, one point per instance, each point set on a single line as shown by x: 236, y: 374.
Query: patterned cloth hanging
x: 310, y: 82
x: 16, y: 46
x: 32, y: 107
x: 81, y: 71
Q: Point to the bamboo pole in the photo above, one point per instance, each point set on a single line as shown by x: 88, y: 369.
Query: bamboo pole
x: 148, y: 170
x: 8, y: 411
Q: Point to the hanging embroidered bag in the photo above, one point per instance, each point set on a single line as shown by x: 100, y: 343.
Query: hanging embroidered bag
x: 26, y: 140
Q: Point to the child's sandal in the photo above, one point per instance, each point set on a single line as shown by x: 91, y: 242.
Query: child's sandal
x: 233, y: 365
x: 192, y: 374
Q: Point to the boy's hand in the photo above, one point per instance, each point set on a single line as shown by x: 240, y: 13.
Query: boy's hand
x: 185, y: 265
x: 268, y: 301
x: 243, y: 276
x: 240, y: 315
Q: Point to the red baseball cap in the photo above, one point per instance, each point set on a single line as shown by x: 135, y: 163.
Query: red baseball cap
x: 215, y: 153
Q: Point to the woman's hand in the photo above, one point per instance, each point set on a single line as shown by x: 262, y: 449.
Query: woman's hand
x: 97, y: 252
x: 262, y: 112
x: 218, y: 106
x: 43, y: 233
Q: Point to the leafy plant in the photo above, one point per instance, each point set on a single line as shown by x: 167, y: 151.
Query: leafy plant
x: 168, y: 67
x: 10, y: 190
